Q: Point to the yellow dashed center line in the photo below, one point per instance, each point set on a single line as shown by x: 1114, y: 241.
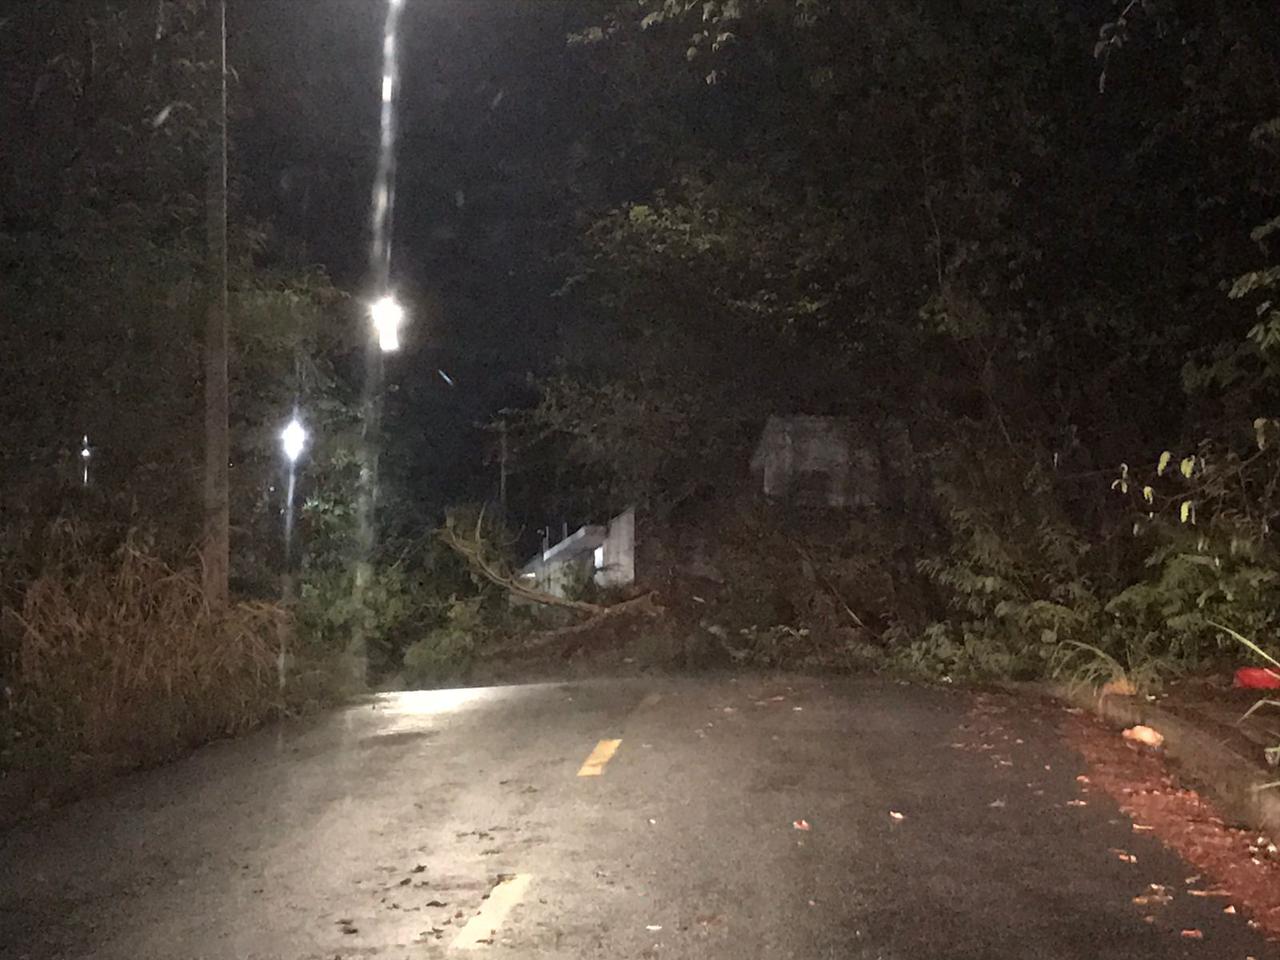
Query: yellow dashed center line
x: 594, y: 765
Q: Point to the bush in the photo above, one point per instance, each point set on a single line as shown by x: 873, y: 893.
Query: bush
x: 118, y: 659
x: 447, y: 652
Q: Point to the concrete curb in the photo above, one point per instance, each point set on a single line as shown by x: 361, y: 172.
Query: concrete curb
x: 1232, y: 780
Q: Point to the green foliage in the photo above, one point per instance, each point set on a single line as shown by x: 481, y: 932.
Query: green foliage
x: 446, y: 653
x: 941, y: 222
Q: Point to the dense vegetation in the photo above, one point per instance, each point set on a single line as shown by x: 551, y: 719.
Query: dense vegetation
x: 106, y: 650
x: 1034, y: 235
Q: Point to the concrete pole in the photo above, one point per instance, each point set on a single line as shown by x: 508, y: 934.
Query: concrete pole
x: 217, y: 501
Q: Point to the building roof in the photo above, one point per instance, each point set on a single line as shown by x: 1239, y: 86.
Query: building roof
x: 798, y: 427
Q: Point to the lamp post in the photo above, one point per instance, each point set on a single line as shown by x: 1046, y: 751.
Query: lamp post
x: 293, y: 442
x: 387, y: 316
x: 86, y: 454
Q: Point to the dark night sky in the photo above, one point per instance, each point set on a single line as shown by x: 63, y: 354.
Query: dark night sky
x: 496, y: 157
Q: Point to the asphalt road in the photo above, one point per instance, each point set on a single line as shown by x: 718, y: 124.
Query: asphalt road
x: 382, y: 830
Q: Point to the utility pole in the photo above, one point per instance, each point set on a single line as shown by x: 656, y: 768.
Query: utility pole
x: 217, y: 443
x: 502, y: 476
x: 387, y: 315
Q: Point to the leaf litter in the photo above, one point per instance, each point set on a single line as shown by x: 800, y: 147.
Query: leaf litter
x: 1230, y: 862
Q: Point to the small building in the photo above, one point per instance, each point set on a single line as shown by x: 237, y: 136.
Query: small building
x: 605, y: 555
x: 816, y: 462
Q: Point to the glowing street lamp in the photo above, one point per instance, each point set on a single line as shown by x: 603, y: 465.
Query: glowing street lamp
x: 388, y: 317
x: 293, y: 439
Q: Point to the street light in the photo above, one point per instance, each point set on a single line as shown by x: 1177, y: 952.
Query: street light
x: 388, y: 317
x: 293, y: 439
x: 85, y: 454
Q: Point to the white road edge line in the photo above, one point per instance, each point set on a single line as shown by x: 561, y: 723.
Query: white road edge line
x: 481, y: 929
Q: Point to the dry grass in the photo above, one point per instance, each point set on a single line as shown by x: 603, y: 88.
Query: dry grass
x: 121, y: 661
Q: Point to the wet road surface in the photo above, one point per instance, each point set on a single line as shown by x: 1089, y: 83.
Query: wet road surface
x: 699, y: 818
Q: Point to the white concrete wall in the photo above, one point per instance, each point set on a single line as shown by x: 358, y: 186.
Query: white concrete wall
x: 619, y: 552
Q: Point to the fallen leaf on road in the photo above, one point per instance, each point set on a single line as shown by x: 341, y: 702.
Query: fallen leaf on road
x: 1157, y: 895
x: 1123, y: 856
x: 1192, y: 935
x: 997, y: 804
x: 1077, y: 803
x: 896, y: 815
x: 1142, y: 826
x: 1229, y: 908
x: 1082, y: 779
x: 1209, y: 893
x: 800, y: 824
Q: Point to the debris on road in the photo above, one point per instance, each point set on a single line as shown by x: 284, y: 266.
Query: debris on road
x: 896, y: 815
x: 800, y: 824
x: 1226, y: 858
x: 1145, y: 736
x: 654, y: 927
x: 1257, y: 678
x: 1120, y: 687
x: 1157, y: 895
x: 1192, y: 935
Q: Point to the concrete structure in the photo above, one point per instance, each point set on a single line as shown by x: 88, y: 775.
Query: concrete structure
x: 816, y: 461
x: 605, y: 555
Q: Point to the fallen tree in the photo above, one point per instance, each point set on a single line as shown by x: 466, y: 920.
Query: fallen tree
x: 473, y: 548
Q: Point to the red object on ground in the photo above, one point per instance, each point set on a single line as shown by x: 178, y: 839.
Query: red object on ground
x: 1257, y: 678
